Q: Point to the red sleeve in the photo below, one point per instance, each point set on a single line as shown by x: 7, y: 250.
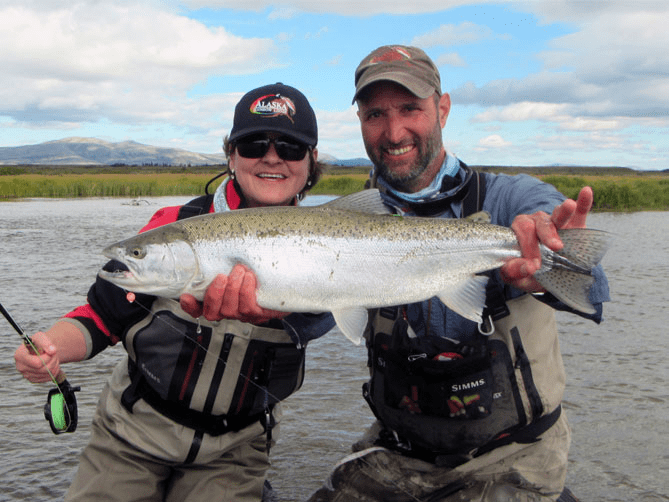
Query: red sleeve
x: 86, y: 312
x: 98, y: 324
x: 162, y: 217
x: 108, y: 312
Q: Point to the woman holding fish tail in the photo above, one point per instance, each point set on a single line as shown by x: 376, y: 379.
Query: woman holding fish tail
x: 465, y: 410
x: 192, y: 411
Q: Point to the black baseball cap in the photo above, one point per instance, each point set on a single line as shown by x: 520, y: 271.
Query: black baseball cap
x: 277, y: 108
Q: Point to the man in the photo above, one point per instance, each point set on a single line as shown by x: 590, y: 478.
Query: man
x: 465, y: 412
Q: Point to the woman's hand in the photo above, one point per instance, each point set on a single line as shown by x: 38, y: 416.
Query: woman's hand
x: 230, y: 297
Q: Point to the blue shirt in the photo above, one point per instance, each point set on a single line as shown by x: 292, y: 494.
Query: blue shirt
x: 506, y: 197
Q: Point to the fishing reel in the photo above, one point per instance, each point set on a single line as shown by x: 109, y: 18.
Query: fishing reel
x: 60, y: 409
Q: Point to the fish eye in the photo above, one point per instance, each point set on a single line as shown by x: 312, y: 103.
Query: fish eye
x: 138, y: 252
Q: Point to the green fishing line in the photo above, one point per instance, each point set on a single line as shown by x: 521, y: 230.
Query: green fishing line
x: 57, y: 404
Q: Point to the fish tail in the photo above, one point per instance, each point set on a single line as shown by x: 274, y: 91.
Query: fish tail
x: 567, y: 274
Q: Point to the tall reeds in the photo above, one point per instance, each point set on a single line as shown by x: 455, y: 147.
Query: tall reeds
x: 612, y: 193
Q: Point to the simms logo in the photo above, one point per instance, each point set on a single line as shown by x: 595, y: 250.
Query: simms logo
x: 467, y: 386
x: 274, y: 105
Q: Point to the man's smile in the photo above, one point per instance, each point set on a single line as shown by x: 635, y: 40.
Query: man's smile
x: 398, y: 151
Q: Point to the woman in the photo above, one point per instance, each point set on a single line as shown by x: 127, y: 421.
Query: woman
x: 192, y: 411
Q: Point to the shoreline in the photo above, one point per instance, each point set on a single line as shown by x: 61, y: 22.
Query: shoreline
x: 615, y: 189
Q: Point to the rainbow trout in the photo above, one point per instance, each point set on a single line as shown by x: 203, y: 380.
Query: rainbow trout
x: 346, y: 256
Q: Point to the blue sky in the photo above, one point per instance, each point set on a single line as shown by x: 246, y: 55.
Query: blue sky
x: 532, y: 82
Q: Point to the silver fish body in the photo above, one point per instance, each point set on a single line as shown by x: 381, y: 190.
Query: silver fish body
x: 343, y: 257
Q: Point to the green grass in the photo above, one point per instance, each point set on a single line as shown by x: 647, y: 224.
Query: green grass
x: 614, y: 189
x: 101, y: 185
x: 618, y: 193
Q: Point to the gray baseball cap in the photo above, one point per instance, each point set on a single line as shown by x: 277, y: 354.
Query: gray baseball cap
x: 408, y: 66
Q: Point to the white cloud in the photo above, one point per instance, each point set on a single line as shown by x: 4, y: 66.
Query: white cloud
x: 585, y: 124
x: 129, y: 62
x: 519, y: 112
x: 493, y: 141
x: 335, y: 61
x: 343, y: 7
x: 450, y: 34
x: 613, y: 64
x: 317, y: 35
x: 282, y: 13
x: 450, y: 59
x: 558, y: 114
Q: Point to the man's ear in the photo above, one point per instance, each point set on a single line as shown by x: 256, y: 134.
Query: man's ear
x: 444, y: 108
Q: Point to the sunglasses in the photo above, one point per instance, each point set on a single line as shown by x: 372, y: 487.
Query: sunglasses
x: 256, y: 147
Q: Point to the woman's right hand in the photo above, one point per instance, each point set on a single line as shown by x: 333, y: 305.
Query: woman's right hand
x: 231, y: 297
x: 36, y: 367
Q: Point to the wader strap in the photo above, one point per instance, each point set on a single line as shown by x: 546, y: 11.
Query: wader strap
x: 473, y: 199
x: 472, y: 203
x: 196, y: 207
x: 214, y: 425
x: 525, y: 435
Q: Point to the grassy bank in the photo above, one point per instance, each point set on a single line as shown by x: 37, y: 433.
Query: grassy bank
x: 102, y: 185
x: 615, y: 189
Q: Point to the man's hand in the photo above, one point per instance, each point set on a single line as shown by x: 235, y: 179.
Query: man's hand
x: 533, y: 229
x: 230, y: 297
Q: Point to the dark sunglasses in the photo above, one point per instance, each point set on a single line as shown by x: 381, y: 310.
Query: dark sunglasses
x: 255, y: 147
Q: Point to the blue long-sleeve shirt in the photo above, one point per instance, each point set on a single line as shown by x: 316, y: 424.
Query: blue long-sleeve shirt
x: 505, y: 198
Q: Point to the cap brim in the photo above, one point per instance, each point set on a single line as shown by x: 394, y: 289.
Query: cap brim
x: 268, y: 128
x: 415, y: 86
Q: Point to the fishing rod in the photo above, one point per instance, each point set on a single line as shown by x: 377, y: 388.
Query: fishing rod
x: 60, y: 409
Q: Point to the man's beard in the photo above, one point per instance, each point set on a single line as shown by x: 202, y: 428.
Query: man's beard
x: 427, y: 153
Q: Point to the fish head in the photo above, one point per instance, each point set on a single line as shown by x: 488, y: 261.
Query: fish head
x: 160, y: 262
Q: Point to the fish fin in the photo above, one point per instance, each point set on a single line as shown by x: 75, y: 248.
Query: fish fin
x: 567, y: 274
x: 352, y: 322
x: 198, y: 286
x: 480, y: 217
x: 467, y: 298
x: 571, y: 288
x: 366, y: 201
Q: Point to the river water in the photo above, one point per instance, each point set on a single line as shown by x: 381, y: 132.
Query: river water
x: 617, y: 396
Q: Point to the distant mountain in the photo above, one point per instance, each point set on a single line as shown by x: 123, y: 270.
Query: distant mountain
x: 92, y: 151
x: 350, y: 162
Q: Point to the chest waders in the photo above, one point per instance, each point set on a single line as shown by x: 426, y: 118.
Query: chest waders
x: 213, y: 377
x: 447, y: 401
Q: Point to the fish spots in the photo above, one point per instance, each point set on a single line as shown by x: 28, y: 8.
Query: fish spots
x: 268, y: 233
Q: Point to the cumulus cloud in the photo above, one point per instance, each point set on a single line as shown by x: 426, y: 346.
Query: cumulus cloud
x: 95, y: 60
x: 450, y: 34
x: 450, y: 59
x: 493, y: 141
x: 613, y: 64
x: 559, y: 114
x: 520, y: 112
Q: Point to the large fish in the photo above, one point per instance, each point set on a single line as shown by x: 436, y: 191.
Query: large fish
x: 344, y: 257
